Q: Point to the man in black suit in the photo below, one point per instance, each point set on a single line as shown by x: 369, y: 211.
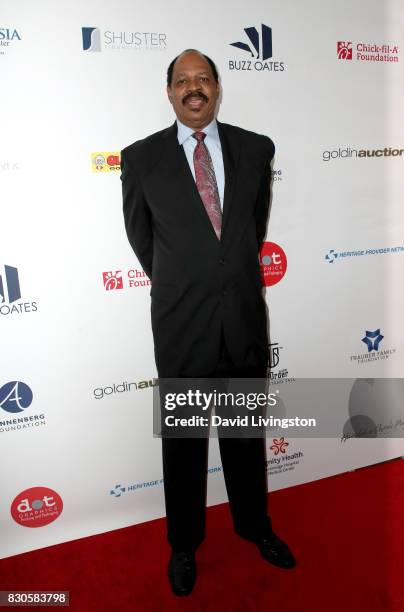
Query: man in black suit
x: 196, y: 201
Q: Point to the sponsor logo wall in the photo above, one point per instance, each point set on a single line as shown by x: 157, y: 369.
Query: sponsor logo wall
x: 74, y: 301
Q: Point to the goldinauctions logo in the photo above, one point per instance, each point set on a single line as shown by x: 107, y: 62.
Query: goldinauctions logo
x: 124, y: 387
x: 348, y: 152
x: 105, y: 161
x: 10, y: 294
x: 334, y: 255
x: 366, y: 52
x: 273, y: 263
x: 134, y: 278
x: 36, y: 507
x: 259, y: 46
x: 95, y: 40
x: 373, y: 339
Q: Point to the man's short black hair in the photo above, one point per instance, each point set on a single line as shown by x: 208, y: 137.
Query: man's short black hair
x: 211, y: 63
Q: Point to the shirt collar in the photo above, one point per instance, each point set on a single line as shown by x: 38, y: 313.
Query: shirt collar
x: 184, y: 132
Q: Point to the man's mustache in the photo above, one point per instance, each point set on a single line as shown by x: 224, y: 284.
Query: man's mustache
x: 195, y: 94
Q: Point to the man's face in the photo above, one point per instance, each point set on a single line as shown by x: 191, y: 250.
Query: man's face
x: 193, y: 91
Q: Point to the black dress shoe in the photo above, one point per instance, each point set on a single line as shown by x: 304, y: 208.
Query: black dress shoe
x: 276, y: 552
x: 182, y: 572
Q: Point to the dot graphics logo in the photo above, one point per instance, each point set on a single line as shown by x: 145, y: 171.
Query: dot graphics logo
x: 36, y: 507
x: 273, y: 263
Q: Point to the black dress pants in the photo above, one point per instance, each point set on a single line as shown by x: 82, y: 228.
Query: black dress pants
x: 185, y: 464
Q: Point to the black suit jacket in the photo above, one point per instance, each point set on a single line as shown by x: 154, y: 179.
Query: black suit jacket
x: 201, y: 286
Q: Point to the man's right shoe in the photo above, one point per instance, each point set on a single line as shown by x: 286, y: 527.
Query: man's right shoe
x: 182, y: 572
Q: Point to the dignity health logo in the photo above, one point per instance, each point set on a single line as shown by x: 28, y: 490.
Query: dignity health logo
x: 95, y: 40
x: 259, y: 46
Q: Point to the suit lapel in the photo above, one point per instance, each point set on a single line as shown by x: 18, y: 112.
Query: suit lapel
x: 231, y: 154
x: 181, y: 174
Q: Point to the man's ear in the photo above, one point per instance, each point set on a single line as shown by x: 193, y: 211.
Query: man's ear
x: 169, y: 94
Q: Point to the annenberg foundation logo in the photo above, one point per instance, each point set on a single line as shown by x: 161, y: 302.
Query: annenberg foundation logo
x: 36, y: 507
x: 95, y: 40
x: 10, y: 293
x: 106, y: 161
x: 373, y: 339
x: 134, y: 279
x: 273, y: 263
x: 333, y: 255
x: 347, y: 152
x: 15, y: 399
x: 15, y: 396
x: 367, y: 52
x: 259, y: 46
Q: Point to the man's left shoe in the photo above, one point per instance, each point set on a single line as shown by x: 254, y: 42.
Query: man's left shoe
x: 275, y: 551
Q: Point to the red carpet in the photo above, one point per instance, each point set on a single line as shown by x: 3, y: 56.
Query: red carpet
x: 346, y: 532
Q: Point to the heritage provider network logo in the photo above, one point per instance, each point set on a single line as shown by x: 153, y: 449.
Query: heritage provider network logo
x: 258, y: 44
x: 95, y: 40
x: 367, y: 52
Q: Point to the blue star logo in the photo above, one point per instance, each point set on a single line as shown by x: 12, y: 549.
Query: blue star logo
x: 372, y: 340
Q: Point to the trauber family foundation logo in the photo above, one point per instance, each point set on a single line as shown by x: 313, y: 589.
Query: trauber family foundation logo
x: 373, y: 339
x: 259, y: 46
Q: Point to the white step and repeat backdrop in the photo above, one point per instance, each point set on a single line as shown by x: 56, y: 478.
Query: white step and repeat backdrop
x: 81, y: 80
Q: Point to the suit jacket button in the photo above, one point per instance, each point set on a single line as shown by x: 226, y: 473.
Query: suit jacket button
x: 225, y: 293
x: 222, y: 262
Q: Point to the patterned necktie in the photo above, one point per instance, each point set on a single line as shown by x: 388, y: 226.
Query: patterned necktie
x: 206, y: 182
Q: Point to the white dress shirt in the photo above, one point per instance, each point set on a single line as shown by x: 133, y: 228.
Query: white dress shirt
x: 212, y: 142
